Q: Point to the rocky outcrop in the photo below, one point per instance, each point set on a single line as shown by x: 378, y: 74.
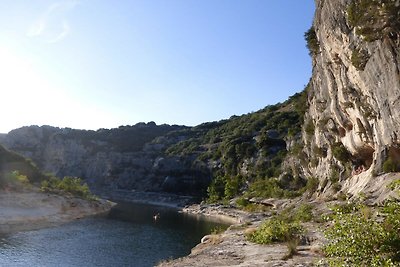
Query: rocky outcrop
x: 130, y: 157
x: 353, y: 123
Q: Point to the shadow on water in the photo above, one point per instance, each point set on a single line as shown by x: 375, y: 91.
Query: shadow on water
x: 130, y: 236
x: 164, y: 217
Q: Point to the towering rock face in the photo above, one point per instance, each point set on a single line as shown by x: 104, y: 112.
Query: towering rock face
x: 129, y: 157
x: 352, y: 129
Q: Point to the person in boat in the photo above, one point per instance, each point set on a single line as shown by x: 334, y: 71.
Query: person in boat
x: 156, y: 216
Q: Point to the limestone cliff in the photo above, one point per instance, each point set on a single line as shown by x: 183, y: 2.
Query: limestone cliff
x: 129, y: 157
x: 352, y: 128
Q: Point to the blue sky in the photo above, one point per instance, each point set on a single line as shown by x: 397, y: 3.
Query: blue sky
x: 93, y: 64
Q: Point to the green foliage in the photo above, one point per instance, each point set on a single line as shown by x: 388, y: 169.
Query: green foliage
x: 374, y: 19
x: 390, y: 165
x: 248, y: 206
x: 309, y: 127
x: 312, y: 41
x: 395, y: 185
x: 334, y: 178
x: 276, y: 229
x: 14, y: 180
x: 224, y: 187
x: 357, y: 238
x: 253, y: 142
x: 218, y: 230
x: 319, y: 152
x: 340, y: 152
x: 359, y: 59
x: 269, y: 188
x: 71, y: 185
x: 312, y: 184
x: 11, y: 162
x: 232, y: 186
x: 303, y: 213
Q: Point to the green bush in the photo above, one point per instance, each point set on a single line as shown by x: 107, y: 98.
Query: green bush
x: 312, y: 41
x: 309, y: 128
x: 312, y: 184
x: 269, y: 188
x: 276, y: 229
x: 374, y: 19
x: 395, y: 185
x: 303, y: 213
x: 359, y: 59
x: 14, y: 180
x: 340, y: 152
x: 390, y: 165
x: 357, y: 238
x: 71, y: 185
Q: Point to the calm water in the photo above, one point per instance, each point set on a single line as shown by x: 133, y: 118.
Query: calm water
x: 129, y: 237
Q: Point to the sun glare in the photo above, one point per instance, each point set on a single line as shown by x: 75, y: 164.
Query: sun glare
x: 29, y: 97
x: 22, y: 88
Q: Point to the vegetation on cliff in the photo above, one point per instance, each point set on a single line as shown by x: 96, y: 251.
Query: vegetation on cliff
x: 16, y: 170
x: 312, y: 41
x: 374, y: 19
x: 17, y: 173
x: 246, y: 152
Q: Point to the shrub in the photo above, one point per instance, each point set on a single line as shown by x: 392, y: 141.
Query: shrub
x: 340, y: 152
x: 14, y: 180
x: 276, y: 229
x: 374, y: 19
x: 334, y: 177
x: 359, y: 59
x: 312, y: 184
x: 267, y: 188
x: 303, y: 213
x: 71, y: 185
x: 312, y: 41
x: 356, y: 238
x: 395, y: 185
x: 216, y: 189
x: 390, y: 165
x: 232, y: 186
x: 319, y: 152
x: 309, y: 128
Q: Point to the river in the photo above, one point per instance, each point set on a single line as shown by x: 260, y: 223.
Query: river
x: 129, y: 236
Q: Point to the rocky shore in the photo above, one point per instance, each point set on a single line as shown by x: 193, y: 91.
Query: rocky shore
x: 32, y: 209
x: 231, y: 248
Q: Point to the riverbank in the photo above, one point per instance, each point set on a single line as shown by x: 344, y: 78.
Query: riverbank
x: 231, y: 248
x: 32, y: 209
x: 150, y: 198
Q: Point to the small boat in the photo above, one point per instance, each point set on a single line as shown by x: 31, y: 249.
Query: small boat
x: 156, y: 216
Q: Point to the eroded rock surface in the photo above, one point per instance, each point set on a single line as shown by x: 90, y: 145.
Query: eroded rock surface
x: 354, y: 115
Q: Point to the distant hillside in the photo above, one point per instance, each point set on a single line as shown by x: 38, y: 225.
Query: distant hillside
x: 224, y: 157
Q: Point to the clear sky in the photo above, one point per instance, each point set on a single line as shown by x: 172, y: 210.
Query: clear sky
x: 92, y: 64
